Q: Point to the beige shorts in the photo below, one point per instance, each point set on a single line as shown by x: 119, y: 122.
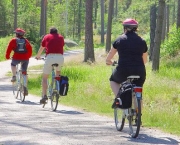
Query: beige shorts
x: 52, y: 59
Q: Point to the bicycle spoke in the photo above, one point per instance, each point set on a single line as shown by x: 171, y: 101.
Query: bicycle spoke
x: 54, y: 101
x: 135, y: 120
x: 119, y: 118
x: 22, y: 94
x: 15, y: 90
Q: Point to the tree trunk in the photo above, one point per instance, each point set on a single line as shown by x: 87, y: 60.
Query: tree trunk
x: 152, y: 29
x: 15, y: 14
x: 43, y: 18
x: 45, y: 11
x: 116, y: 9
x: 178, y: 14
x: 167, y: 19
x: 67, y: 3
x: 174, y: 12
x: 109, y: 27
x: 158, y: 33
x: 79, y: 18
x: 89, y: 47
x: 95, y: 13
x: 102, y: 21
x: 164, y: 25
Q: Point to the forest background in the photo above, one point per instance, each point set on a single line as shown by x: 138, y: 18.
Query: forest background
x: 94, y: 25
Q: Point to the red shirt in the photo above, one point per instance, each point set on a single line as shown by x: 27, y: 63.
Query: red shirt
x: 53, y: 43
x: 18, y: 56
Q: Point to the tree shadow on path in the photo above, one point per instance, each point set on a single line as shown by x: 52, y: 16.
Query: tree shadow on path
x: 145, y: 139
x: 68, y: 112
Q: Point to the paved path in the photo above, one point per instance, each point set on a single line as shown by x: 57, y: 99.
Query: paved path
x: 28, y: 123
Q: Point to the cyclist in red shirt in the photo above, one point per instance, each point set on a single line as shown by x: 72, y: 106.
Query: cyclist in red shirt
x: 53, y: 44
x: 22, y: 51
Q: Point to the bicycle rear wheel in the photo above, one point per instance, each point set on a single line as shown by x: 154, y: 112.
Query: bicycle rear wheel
x: 54, y: 101
x: 119, y: 118
x: 135, y: 120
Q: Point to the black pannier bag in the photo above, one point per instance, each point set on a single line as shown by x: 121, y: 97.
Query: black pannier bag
x: 124, y: 96
x: 64, y: 85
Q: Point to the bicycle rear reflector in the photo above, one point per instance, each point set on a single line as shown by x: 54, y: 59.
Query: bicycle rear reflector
x: 138, y: 89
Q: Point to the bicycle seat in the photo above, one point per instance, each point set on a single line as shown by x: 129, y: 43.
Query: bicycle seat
x: 55, y: 64
x: 133, y: 77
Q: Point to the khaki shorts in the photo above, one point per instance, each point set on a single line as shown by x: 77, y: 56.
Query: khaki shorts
x: 52, y: 59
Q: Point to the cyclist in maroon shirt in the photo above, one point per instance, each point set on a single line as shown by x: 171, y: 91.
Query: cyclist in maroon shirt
x: 53, y: 44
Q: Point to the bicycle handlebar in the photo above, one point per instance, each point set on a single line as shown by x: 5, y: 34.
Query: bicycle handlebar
x: 41, y: 58
x: 114, y: 63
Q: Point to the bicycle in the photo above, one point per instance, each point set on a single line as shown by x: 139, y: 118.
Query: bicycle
x: 18, y: 85
x: 132, y: 114
x: 53, y: 88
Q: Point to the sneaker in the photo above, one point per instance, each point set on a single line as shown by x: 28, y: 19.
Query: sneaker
x: 113, y: 105
x: 25, y: 91
x: 43, y: 100
x: 13, y: 79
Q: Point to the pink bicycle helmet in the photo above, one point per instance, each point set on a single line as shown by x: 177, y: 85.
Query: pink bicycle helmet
x: 19, y: 31
x: 130, y: 24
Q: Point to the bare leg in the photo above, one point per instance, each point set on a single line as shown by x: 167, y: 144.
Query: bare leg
x: 13, y: 68
x: 25, y: 80
x: 44, y: 84
x: 58, y: 73
x: 115, y: 87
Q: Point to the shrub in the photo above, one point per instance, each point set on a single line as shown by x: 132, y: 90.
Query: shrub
x: 171, y: 46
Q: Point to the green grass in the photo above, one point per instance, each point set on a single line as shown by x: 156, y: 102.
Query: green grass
x: 82, y: 93
x: 3, y: 45
x: 90, y: 90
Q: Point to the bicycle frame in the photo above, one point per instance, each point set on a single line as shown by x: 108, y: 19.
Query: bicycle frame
x: 18, y: 86
x: 136, y: 112
x: 132, y: 114
x: 53, y: 88
x: 137, y: 93
x: 50, y: 86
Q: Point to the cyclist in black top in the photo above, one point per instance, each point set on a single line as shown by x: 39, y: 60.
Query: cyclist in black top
x: 132, y: 51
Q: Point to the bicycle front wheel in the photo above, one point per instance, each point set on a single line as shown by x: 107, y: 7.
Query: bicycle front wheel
x: 54, y: 101
x: 22, y: 94
x: 135, y: 119
x: 15, y: 89
x: 119, y: 118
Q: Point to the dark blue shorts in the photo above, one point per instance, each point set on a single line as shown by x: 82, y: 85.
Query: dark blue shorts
x: 24, y: 65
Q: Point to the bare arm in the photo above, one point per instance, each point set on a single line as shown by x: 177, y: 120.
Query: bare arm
x: 110, y: 55
x: 145, y: 57
x: 39, y: 52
